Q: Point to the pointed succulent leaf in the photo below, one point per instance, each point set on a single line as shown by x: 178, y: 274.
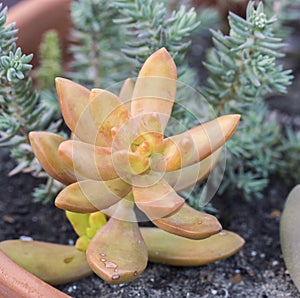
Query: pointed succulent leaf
x: 155, y: 88
x: 74, y: 104
x: 18, y: 282
x: 290, y: 235
x: 142, y: 128
x: 157, y: 200
x: 45, y: 146
x: 79, y: 221
x: 126, y: 92
x: 127, y: 162
x: 89, y: 195
x: 87, y: 161
x: 107, y: 113
x: 189, y: 223
x: 171, y: 249
x: 189, y: 176
x: 197, y: 143
x: 54, y: 263
x: 118, y: 253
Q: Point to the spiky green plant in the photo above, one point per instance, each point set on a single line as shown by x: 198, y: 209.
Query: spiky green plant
x: 243, y: 68
x: 21, y: 106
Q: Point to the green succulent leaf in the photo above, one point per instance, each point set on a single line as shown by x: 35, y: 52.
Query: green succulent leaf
x: 53, y: 263
x: 290, y: 234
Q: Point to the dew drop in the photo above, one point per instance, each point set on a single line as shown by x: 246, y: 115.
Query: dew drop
x: 223, y: 233
x: 111, y: 265
x: 135, y: 273
x: 102, y: 255
x: 199, y: 222
x: 115, y: 276
x: 103, y: 260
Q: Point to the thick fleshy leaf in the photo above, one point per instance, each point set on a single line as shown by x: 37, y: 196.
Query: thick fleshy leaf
x: 142, y: 128
x: 99, y: 163
x: 189, y: 176
x: 89, y: 195
x: 155, y: 88
x: 45, y: 147
x: 197, y: 143
x: 189, y: 223
x: 16, y: 282
x: 87, y: 161
x: 290, y: 235
x: 174, y: 250
x: 127, y: 163
x: 126, y: 93
x: 74, y: 104
x: 108, y: 113
x: 156, y: 200
x: 79, y: 221
x: 53, y: 263
x: 118, y: 253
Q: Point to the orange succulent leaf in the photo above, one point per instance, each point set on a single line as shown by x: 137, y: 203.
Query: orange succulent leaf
x: 197, y: 143
x: 127, y: 163
x: 117, y: 253
x: 189, y: 223
x: 45, y: 146
x: 107, y: 113
x: 142, y: 128
x: 89, y: 195
x: 156, y: 200
x: 74, y: 104
x: 126, y: 93
x: 189, y: 176
x: 155, y: 88
x: 88, y: 161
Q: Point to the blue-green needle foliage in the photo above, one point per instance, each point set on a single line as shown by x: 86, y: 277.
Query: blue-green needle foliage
x: 149, y: 27
x: 97, y: 59
x: 243, y: 68
x: 21, y: 107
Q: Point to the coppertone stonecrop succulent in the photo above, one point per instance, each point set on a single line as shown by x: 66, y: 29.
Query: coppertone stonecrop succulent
x: 118, y: 158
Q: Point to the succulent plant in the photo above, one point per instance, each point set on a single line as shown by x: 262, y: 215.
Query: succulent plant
x: 118, y: 159
x: 290, y: 235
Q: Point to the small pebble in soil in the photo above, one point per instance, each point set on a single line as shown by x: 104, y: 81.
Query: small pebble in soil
x: 275, y: 263
x: 253, y: 253
x: 72, y: 288
x: 8, y: 219
x: 34, y: 219
x: 70, y: 241
x: 25, y: 238
x: 214, y: 292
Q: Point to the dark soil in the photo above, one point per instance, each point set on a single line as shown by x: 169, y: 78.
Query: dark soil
x: 256, y: 271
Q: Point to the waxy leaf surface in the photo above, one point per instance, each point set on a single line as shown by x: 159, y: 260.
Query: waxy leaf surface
x: 117, y: 253
x: 174, y: 250
x: 189, y: 223
x: 54, y: 263
x: 89, y: 195
x: 290, y: 235
x: 45, y: 146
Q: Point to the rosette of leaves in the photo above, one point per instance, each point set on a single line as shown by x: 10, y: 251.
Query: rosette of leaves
x: 119, y: 159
